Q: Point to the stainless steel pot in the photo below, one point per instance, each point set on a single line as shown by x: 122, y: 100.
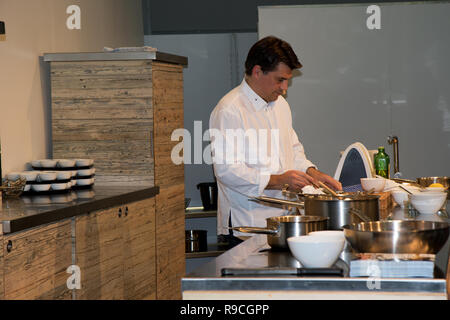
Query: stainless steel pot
x: 344, y: 210
x: 426, y: 181
x: 279, y: 229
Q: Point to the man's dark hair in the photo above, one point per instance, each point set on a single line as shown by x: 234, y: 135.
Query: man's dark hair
x: 268, y: 52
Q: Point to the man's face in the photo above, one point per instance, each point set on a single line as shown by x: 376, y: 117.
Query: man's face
x: 273, y: 83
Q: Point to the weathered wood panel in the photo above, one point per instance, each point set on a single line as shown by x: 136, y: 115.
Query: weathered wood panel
x: 168, y: 116
x: 103, y: 110
x: 119, y: 68
x: 35, y: 266
x: 140, y: 250
x: 2, y: 285
x: 99, y: 254
x: 91, y: 109
x: 102, y: 130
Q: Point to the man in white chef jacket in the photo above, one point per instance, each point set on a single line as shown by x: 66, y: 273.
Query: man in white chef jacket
x: 254, y: 147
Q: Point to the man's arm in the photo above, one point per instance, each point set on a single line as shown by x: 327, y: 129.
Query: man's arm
x: 320, y: 176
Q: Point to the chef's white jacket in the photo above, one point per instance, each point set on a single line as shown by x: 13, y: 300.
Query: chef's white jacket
x: 240, y: 166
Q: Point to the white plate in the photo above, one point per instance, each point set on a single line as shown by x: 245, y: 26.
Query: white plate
x: 27, y: 187
x: 40, y: 187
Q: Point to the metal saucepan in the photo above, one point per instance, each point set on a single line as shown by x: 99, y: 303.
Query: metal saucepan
x: 397, y: 236
x: 279, y: 229
x: 346, y: 209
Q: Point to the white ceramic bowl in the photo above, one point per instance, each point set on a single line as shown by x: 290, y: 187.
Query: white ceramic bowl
x: 36, y: 163
x: 316, y: 251
x: 48, y: 163
x: 13, y: 176
x: 29, y: 175
x: 435, y: 189
x: 428, y: 202
x: 400, y: 197
x: 40, y: 187
x: 85, y: 172
x: 47, y: 175
x: 59, y: 186
x: 85, y: 182
x: 65, y: 163
x: 334, y: 234
x: 64, y: 175
x: 373, y: 183
x: 84, y: 162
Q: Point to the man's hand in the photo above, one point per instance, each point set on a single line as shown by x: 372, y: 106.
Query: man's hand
x: 320, y: 176
x: 294, y: 178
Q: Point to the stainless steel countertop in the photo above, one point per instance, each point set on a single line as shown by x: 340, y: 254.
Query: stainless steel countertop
x: 255, y: 253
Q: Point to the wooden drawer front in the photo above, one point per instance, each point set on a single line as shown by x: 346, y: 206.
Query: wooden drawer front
x: 140, y: 250
x: 99, y: 254
x: 35, y: 263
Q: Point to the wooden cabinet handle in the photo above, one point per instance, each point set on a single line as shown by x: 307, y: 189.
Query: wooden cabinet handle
x: 126, y: 211
x: 120, y: 212
x: 9, y: 246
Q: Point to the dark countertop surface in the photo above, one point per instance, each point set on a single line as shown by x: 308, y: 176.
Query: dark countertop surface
x: 29, y: 211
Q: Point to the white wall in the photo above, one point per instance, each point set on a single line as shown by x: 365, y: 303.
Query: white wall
x: 35, y: 27
x: 216, y: 65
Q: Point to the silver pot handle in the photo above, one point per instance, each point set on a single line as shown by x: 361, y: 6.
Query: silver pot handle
x: 255, y: 230
x: 359, y: 214
x: 279, y: 201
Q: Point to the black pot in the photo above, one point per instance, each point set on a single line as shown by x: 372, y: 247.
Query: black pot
x: 208, y: 193
x: 196, y: 240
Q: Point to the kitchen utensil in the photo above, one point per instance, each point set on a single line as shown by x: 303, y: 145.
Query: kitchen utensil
x: 196, y: 241
x: 327, y: 189
x: 208, y: 194
x: 373, y: 183
x: 397, y: 236
x: 426, y: 181
x: 280, y: 228
x: 332, y: 272
x: 318, y: 251
x: 337, y: 209
x: 428, y: 202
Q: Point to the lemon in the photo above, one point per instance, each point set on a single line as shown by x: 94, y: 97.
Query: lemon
x: 436, y: 185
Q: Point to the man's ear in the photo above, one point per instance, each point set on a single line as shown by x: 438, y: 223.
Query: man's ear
x: 257, y: 71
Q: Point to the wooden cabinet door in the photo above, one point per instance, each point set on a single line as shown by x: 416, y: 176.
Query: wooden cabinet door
x: 139, y: 250
x: 35, y: 262
x: 99, y: 254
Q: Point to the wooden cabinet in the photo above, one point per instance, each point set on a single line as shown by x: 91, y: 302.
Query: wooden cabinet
x: 35, y: 262
x: 168, y: 113
x: 115, y: 250
x: 120, y: 109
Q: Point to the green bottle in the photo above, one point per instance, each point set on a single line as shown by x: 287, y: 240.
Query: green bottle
x: 381, y: 163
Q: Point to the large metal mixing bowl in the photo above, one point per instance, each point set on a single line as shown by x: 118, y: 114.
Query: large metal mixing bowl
x: 426, y: 181
x: 397, y: 236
